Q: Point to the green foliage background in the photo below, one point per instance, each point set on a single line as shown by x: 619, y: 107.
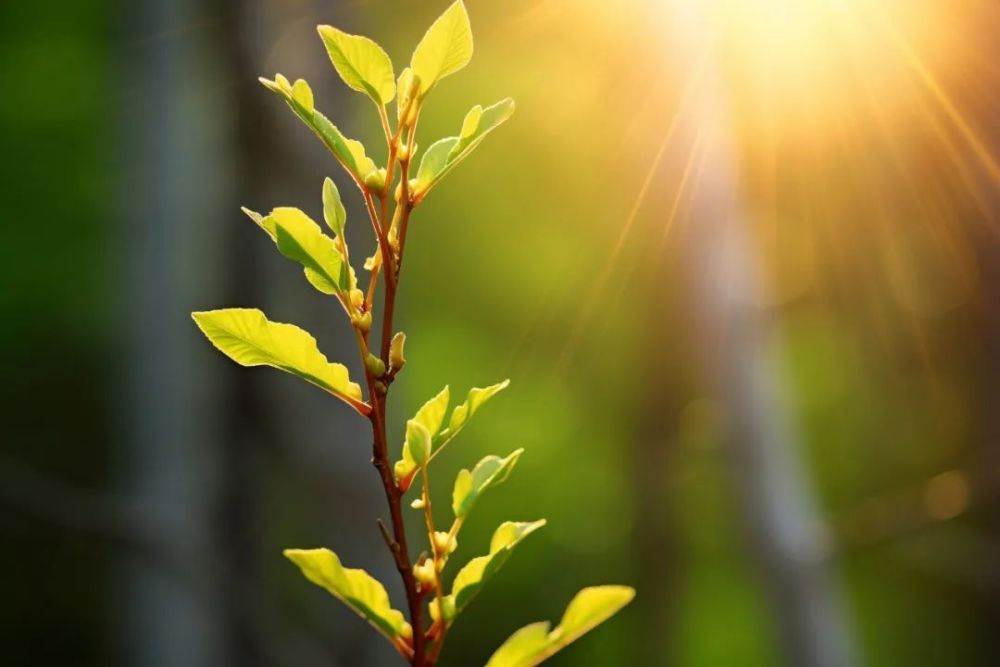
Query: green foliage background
x: 609, y: 396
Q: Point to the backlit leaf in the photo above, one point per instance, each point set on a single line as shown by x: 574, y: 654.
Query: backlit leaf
x: 445, y: 48
x: 469, y: 485
x: 444, y: 154
x: 471, y: 578
x: 349, y: 152
x: 429, y: 419
x: 533, y: 644
x: 334, y: 212
x: 361, y: 63
x: 355, y: 588
x: 461, y: 415
x: 247, y: 337
x: 300, y: 239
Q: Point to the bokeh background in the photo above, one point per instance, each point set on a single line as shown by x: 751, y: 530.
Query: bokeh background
x: 739, y: 259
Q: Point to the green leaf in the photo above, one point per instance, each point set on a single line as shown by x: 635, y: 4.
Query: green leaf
x: 301, y: 240
x: 445, y: 48
x: 247, y: 337
x: 471, y: 578
x: 427, y: 422
x: 361, y: 63
x: 461, y: 415
x: 355, y: 588
x: 334, y: 212
x: 349, y: 152
x: 444, y: 154
x: 489, y: 472
x: 533, y: 644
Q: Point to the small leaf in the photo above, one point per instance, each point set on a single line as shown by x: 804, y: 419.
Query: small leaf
x: 428, y: 418
x: 489, y: 472
x: 303, y: 95
x: 471, y: 578
x: 247, y: 337
x: 461, y: 415
x: 444, y: 154
x: 334, y: 212
x: 361, y: 63
x: 533, y: 644
x: 355, y: 588
x: 445, y: 48
x: 300, y: 239
x: 349, y: 152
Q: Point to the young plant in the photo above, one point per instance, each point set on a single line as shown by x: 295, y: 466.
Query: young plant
x: 249, y: 338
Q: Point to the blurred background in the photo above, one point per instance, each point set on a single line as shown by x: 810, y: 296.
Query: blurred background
x: 739, y: 259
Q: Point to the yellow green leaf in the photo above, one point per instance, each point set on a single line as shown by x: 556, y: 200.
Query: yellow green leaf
x: 445, y: 48
x: 427, y: 422
x: 334, y: 212
x: 469, y: 485
x: 444, y: 154
x: 471, y: 578
x: 355, y: 588
x: 461, y: 415
x: 300, y: 239
x: 533, y: 644
x: 247, y: 337
x: 361, y: 63
x: 349, y: 152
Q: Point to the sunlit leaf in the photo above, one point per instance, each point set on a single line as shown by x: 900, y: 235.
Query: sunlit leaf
x: 361, y: 63
x: 349, y: 152
x: 534, y: 643
x: 355, y: 588
x: 334, y: 212
x: 445, y: 48
x: 247, y: 337
x: 426, y: 423
x: 300, y: 239
x: 471, y: 578
x: 461, y: 415
x: 444, y: 154
x: 469, y: 485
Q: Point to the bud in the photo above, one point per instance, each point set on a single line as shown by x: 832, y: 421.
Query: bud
x: 362, y: 322
x: 425, y: 572
x: 374, y: 365
x: 419, y: 503
x: 357, y: 298
x: 403, y: 153
x: 397, y: 359
x: 375, y: 181
x: 444, y: 543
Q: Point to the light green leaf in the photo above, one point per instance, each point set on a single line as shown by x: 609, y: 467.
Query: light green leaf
x: 444, y: 154
x: 427, y: 421
x: 471, y: 578
x: 334, y: 212
x: 533, y: 644
x: 361, y: 63
x: 461, y: 415
x: 403, y: 92
x: 300, y: 239
x: 355, y: 588
x: 489, y: 472
x: 445, y: 48
x: 247, y: 337
x: 349, y: 152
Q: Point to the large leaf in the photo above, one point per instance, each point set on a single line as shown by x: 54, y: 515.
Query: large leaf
x: 361, y: 63
x: 300, y: 239
x: 421, y: 429
x: 247, y: 337
x: 533, y: 644
x: 469, y: 485
x: 349, y: 152
x: 461, y: 415
x: 444, y: 154
x: 355, y: 588
x: 444, y: 49
x: 471, y: 578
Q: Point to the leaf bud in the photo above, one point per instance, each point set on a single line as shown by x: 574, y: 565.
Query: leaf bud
x: 425, y: 572
x: 444, y: 543
x: 362, y: 322
x: 374, y: 365
x: 397, y: 358
x: 375, y: 181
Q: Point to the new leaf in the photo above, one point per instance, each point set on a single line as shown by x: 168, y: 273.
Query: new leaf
x: 446, y: 47
x: 471, y: 578
x: 361, y: 63
x: 469, y: 485
x: 247, y: 337
x: 349, y: 152
x: 444, y: 154
x: 534, y: 643
x: 355, y: 588
x: 427, y: 422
